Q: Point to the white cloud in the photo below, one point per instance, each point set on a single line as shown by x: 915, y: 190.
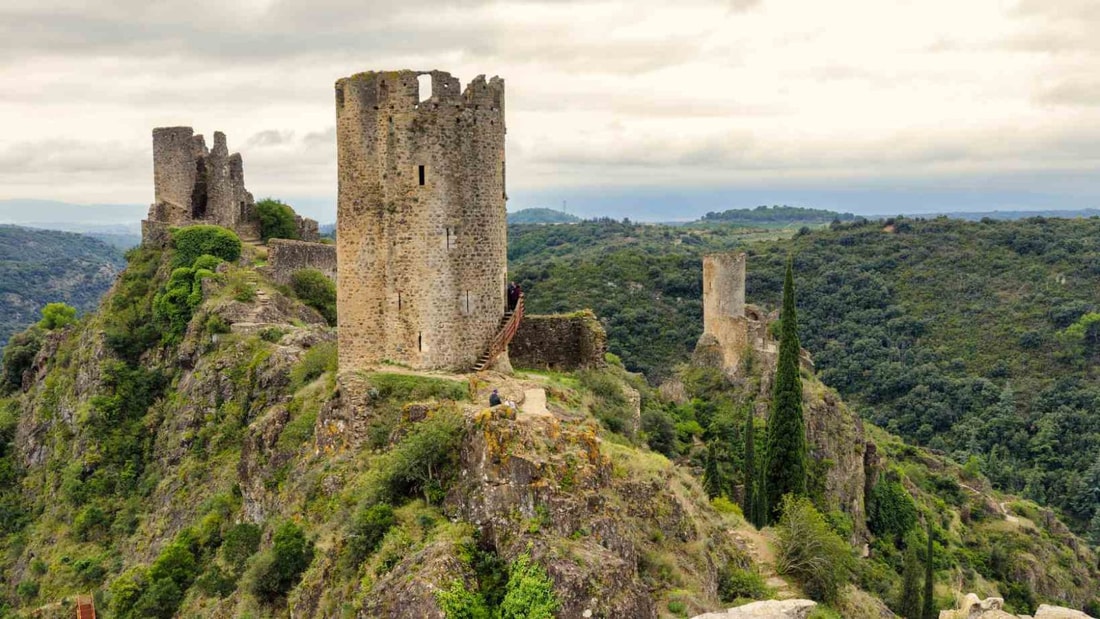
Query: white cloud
x: 640, y: 93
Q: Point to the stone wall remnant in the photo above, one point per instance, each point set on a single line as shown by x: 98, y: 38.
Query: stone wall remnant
x: 286, y: 257
x: 421, y: 219
x: 563, y: 342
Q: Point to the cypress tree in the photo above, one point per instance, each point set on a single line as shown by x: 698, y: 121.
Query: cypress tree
x: 910, y: 604
x: 786, y: 468
x: 749, y: 504
x: 712, y: 477
x: 929, y: 611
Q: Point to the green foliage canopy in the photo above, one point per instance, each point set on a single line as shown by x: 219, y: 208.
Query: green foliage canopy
x: 276, y: 220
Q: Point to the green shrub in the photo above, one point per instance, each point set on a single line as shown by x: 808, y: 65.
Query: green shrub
x: 57, y: 316
x: 274, y: 572
x: 610, y: 404
x: 316, y: 361
x: 458, y: 601
x: 736, y: 583
x: 276, y: 220
x: 405, y: 388
x: 317, y: 291
x: 91, y: 524
x: 529, y: 593
x: 193, y: 242
x: 810, y: 552
x: 175, y: 304
x: 207, y: 262
x: 19, y: 356
x: 272, y: 334
x: 28, y: 590
x: 890, y: 510
x: 423, y: 461
x: 367, y: 530
x: 241, y: 542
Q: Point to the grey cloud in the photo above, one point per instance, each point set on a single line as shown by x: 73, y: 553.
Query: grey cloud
x: 69, y: 156
x: 270, y: 137
x: 1082, y: 92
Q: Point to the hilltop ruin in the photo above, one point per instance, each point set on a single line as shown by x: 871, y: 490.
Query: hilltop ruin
x: 197, y: 185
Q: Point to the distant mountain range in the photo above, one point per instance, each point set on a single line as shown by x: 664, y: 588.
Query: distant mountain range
x: 68, y: 217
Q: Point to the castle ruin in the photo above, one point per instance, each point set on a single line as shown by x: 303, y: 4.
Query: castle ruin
x: 421, y: 219
x: 194, y: 184
x: 197, y: 185
x: 731, y: 328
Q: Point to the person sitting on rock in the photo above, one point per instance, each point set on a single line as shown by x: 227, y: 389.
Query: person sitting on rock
x: 494, y: 398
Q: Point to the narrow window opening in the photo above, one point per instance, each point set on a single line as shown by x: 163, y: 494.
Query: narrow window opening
x: 424, y: 85
x: 399, y: 301
x: 421, y: 176
x: 420, y: 341
x: 467, y: 302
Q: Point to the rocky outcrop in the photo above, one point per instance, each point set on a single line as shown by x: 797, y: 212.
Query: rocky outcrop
x: 1057, y: 612
x: 972, y: 607
x: 771, y: 609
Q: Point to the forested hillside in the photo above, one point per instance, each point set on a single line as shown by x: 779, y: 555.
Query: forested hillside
x: 43, y: 266
x: 776, y: 216
x: 976, y: 338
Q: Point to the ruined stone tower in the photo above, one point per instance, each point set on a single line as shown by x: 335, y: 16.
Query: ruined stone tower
x: 733, y: 329
x: 421, y: 220
x: 194, y: 184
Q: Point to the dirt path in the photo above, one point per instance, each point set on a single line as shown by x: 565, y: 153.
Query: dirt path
x: 759, y: 545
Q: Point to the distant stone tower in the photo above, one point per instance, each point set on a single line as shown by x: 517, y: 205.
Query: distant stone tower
x: 732, y: 328
x: 196, y: 185
x: 421, y: 221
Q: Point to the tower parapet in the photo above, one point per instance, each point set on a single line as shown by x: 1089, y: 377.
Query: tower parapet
x: 421, y: 219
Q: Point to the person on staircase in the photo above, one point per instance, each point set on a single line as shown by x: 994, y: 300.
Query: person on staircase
x: 513, y: 295
x: 514, y: 292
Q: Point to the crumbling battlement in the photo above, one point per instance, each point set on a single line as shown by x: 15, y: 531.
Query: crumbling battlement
x: 194, y: 184
x: 564, y: 342
x: 421, y: 221
x: 285, y: 258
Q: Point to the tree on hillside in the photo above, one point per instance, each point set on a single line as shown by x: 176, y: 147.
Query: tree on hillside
x: 910, y: 604
x: 929, y: 611
x: 786, y: 468
x: 712, y: 477
x: 276, y: 220
x: 750, y: 504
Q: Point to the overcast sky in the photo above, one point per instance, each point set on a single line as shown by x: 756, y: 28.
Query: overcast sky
x: 647, y: 107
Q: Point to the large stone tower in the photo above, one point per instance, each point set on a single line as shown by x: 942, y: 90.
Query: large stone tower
x: 421, y: 221
x: 194, y: 184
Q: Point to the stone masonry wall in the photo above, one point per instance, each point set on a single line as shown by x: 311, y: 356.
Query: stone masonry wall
x: 421, y: 222
x: 196, y: 185
x: 724, y: 305
x: 285, y: 258
x: 563, y: 342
